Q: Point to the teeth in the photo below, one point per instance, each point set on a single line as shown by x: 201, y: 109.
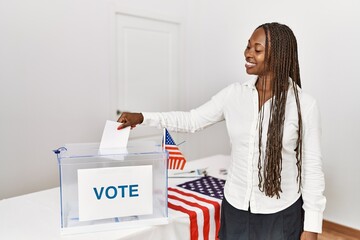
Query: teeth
x: 249, y: 64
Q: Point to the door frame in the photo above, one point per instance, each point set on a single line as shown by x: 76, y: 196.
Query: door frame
x: 121, y: 9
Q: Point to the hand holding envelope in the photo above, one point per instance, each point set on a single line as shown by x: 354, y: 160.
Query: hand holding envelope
x: 130, y: 119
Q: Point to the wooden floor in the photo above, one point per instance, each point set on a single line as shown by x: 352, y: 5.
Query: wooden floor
x: 333, y: 231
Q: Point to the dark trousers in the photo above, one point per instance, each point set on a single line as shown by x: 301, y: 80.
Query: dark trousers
x: 243, y: 225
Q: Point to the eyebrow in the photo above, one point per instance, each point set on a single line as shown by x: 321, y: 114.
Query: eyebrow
x: 256, y: 43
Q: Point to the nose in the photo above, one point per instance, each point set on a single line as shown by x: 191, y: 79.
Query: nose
x: 248, y: 53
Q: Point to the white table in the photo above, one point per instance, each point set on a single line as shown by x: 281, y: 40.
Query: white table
x: 37, y: 215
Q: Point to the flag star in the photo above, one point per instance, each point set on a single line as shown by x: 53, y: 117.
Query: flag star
x: 208, y: 185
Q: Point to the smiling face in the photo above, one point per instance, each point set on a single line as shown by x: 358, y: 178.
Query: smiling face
x: 255, y: 53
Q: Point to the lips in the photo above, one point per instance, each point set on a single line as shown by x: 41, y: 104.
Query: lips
x: 249, y: 64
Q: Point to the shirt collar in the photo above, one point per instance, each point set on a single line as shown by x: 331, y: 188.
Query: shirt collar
x: 251, y: 83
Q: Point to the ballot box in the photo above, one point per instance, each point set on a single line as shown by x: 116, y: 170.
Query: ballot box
x: 104, y: 189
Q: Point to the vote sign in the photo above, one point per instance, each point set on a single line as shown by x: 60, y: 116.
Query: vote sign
x: 115, y: 192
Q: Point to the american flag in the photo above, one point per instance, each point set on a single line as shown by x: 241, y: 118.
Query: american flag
x: 176, y: 160
x: 200, y: 200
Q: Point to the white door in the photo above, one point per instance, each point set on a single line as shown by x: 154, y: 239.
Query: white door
x: 147, y: 66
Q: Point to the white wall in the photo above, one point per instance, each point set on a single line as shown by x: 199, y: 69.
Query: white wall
x: 55, y: 73
x: 54, y: 86
x: 55, y: 82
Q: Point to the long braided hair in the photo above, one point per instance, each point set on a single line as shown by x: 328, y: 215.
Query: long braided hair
x: 281, y: 59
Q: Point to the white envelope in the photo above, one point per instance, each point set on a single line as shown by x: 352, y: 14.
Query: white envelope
x: 113, y: 138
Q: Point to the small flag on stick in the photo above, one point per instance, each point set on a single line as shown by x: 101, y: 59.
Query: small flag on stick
x: 176, y: 160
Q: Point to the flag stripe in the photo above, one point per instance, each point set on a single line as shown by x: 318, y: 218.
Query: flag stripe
x: 180, y: 157
x: 182, y: 164
x: 214, y: 203
x: 205, y: 210
x: 173, y: 150
x: 171, y: 147
x: 175, y: 153
x: 176, y: 163
x: 194, y: 235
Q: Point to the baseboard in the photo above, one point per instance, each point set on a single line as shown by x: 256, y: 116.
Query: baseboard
x: 327, y: 225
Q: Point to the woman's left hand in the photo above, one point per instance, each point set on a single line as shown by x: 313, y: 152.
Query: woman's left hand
x: 308, y: 236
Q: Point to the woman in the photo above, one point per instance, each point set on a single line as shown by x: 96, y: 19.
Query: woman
x: 275, y: 183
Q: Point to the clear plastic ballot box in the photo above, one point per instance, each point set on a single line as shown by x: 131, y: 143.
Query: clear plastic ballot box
x: 104, y: 189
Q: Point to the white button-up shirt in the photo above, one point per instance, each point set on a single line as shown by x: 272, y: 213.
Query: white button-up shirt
x: 238, y: 105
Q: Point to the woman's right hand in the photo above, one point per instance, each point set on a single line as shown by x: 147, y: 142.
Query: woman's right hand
x: 130, y: 119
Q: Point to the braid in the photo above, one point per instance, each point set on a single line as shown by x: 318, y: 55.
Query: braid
x: 281, y: 58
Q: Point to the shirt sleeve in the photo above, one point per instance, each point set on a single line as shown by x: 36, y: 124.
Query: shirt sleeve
x: 313, y: 182
x: 196, y: 119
